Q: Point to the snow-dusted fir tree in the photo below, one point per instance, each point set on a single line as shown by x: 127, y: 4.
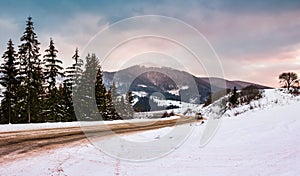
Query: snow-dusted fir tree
x: 234, y: 97
x: 128, y: 105
x: 84, y: 101
x: 112, y: 103
x: 9, y: 72
x: 52, y: 66
x: 74, y: 72
x: 31, y: 75
x: 100, y: 92
x: 65, y: 111
x: 123, y: 105
x: 52, y: 71
x: 72, y: 77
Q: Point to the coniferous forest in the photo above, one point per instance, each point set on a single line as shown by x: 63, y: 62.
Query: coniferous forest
x: 36, y: 88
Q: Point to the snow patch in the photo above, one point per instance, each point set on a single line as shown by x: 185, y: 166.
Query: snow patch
x: 140, y: 93
x: 142, y: 85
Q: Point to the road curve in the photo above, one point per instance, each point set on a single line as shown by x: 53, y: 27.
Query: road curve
x: 18, y: 143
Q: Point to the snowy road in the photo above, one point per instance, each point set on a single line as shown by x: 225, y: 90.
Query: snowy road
x: 14, y: 144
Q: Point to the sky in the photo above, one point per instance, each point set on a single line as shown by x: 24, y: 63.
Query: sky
x: 254, y: 40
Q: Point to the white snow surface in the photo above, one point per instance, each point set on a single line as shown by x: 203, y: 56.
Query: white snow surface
x: 140, y: 93
x: 263, y: 141
x: 175, y: 103
x: 142, y: 85
x: 177, y: 91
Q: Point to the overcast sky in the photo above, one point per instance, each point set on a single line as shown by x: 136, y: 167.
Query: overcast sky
x: 255, y: 40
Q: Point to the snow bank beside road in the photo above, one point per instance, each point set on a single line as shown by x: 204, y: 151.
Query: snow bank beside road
x: 38, y: 126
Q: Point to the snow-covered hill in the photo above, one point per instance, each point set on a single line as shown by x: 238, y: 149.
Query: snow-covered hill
x: 271, y: 98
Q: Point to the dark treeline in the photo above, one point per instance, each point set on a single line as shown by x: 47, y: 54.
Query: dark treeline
x: 33, y: 94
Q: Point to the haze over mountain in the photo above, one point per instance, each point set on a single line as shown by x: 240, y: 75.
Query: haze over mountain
x: 171, y: 83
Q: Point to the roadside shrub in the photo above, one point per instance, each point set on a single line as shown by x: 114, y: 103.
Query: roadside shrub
x: 165, y: 114
x: 172, y: 113
x: 295, y: 91
x: 172, y: 107
x: 215, y: 96
x: 249, y: 94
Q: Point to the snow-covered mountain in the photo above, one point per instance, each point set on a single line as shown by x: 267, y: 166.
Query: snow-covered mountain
x: 171, y: 83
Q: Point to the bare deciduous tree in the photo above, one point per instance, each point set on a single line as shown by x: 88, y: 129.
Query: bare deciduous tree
x: 288, y: 79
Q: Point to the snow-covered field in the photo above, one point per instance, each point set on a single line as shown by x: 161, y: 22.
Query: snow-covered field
x: 262, y: 141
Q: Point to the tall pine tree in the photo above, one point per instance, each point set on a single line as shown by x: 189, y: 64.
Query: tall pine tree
x: 234, y: 97
x: 100, y: 92
x: 121, y: 105
x: 9, y: 72
x: 64, y: 109
x: 112, y: 103
x: 52, y: 71
x: 128, y: 105
x: 69, y: 86
x: 31, y: 75
x: 85, y: 94
x: 52, y: 65
x: 74, y: 72
x: 72, y: 75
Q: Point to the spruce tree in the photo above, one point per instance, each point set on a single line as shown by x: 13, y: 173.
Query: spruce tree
x: 72, y: 75
x: 52, y: 71
x: 100, y: 92
x: 74, y: 72
x: 78, y: 67
x: 112, y: 103
x: 124, y: 108
x: 129, y: 97
x: 121, y: 107
x: 9, y: 72
x: 128, y: 105
x: 52, y: 65
x: 64, y: 109
x: 31, y: 75
x: 85, y: 94
x: 234, y: 97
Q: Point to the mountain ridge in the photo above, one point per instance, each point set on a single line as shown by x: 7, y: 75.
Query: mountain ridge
x: 166, y: 80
